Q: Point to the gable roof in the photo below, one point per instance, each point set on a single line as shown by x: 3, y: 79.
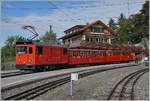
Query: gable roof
x: 84, y: 27
x: 76, y: 26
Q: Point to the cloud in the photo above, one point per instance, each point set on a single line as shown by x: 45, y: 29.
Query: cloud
x: 9, y: 6
x: 63, y: 18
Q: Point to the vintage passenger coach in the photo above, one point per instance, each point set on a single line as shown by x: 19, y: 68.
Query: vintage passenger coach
x: 43, y: 56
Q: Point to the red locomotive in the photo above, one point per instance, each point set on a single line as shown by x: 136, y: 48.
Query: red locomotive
x: 44, y: 56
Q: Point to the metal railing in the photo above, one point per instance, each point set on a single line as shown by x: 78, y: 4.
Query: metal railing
x: 8, y: 65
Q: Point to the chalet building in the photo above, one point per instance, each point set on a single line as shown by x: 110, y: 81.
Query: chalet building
x: 96, y: 31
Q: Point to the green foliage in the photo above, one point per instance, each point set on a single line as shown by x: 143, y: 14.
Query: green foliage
x: 112, y: 24
x: 8, y: 51
x: 49, y: 37
x: 133, y: 29
x: 130, y: 30
x: 123, y: 29
x: 139, y: 24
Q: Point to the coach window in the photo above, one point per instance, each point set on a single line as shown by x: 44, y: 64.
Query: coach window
x: 30, y: 50
x: 65, y: 51
x: 39, y: 50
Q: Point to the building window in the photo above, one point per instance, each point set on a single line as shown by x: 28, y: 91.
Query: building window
x: 101, y: 40
x: 97, y: 30
x: 91, y: 39
x: 97, y: 40
x: 88, y: 39
x: 105, y: 39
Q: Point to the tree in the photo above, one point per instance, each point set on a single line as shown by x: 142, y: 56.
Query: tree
x: 8, y: 51
x: 144, y: 19
x: 135, y: 28
x: 49, y: 37
x: 139, y: 24
x: 112, y: 24
x: 123, y: 29
x: 11, y: 40
x: 121, y: 18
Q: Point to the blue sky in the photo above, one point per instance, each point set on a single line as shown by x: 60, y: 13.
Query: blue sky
x: 61, y: 14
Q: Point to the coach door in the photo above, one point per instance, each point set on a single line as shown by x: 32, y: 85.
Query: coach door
x: 30, y: 55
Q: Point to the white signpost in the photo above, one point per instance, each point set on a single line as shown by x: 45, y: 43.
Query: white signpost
x: 74, y: 77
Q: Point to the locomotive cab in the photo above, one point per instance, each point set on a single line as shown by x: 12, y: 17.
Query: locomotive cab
x: 25, y: 56
x: 40, y: 56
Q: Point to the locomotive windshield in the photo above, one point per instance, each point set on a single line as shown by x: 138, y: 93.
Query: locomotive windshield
x: 21, y: 49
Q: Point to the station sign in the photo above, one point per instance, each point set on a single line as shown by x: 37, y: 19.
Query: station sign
x: 74, y: 76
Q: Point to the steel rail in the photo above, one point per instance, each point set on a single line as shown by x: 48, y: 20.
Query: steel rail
x: 4, y: 75
x: 31, y: 93
x: 123, y: 91
x: 133, y: 86
x: 36, y: 91
x: 127, y: 79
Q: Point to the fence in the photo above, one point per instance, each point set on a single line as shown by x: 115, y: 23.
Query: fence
x: 8, y: 66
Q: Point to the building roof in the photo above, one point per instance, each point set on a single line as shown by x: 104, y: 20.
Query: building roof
x: 76, y: 26
x: 84, y: 27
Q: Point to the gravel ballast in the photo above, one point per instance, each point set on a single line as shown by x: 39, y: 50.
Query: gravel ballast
x: 29, y: 81
x: 98, y: 86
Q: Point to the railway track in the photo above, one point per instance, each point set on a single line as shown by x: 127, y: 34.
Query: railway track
x: 40, y: 89
x: 36, y: 91
x: 10, y: 74
x: 124, y: 89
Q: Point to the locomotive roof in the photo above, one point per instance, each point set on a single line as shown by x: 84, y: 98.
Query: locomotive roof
x: 39, y: 43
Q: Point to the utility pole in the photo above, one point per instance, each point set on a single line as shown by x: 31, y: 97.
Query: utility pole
x: 50, y: 28
x: 128, y: 8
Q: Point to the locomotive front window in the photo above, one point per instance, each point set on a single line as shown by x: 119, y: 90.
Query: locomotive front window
x: 21, y: 49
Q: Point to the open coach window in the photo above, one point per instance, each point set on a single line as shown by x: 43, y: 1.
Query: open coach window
x: 21, y: 49
x: 65, y: 51
x: 39, y: 50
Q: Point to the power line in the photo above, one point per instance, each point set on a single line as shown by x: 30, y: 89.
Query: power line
x: 18, y: 24
x: 79, y: 19
x: 128, y: 8
x: 62, y: 11
x: 55, y: 7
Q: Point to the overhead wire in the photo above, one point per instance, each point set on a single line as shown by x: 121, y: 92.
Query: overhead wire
x: 67, y: 15
x: 56, y: 7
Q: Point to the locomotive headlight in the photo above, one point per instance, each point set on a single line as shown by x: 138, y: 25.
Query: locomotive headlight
x: 30, y: 61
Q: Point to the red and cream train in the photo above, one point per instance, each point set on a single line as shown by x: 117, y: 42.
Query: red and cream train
x: 44, y: 56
